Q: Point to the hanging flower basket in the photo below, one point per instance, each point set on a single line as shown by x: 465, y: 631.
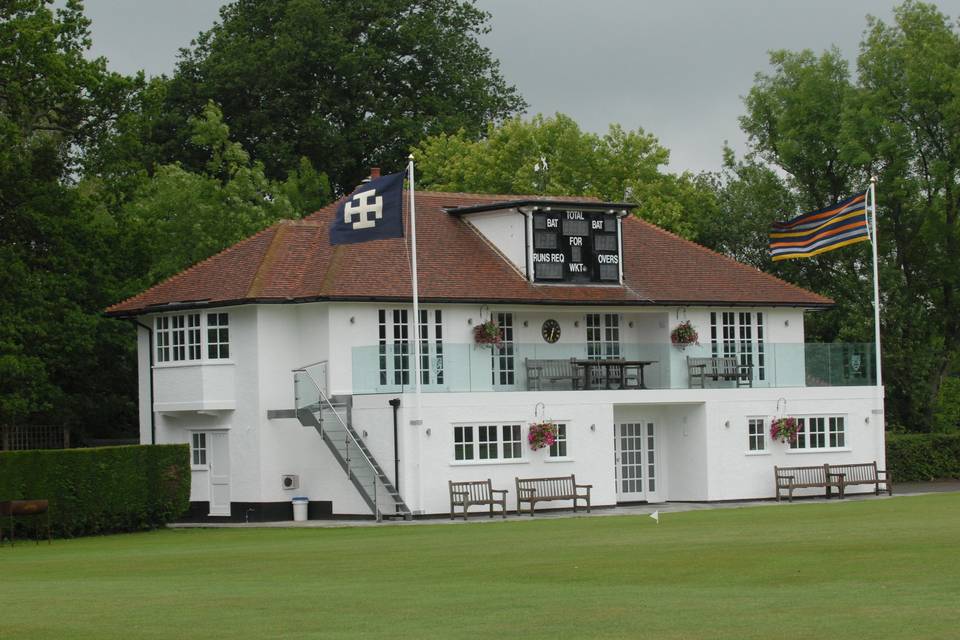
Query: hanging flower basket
x: 684, y: 335
x: 784, y: 429
x: 487, y: 333
x: 541, y: 434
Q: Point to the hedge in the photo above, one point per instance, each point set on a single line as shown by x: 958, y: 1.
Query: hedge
x: 923, y: 456
x: 101, y: 490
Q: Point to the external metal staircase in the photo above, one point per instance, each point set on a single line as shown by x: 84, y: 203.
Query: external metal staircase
x: 331, y: 418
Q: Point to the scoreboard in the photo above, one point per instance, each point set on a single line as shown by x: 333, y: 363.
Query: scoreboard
x: 575, y: 246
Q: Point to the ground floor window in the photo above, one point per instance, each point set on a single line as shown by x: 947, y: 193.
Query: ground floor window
x: 487, y: 442
x: 559, y: 447
x: 198, y: 450
x: 820, y: 432
x: 756, y: 434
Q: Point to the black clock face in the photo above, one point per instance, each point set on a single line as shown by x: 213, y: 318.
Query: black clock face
x: 551, y: 331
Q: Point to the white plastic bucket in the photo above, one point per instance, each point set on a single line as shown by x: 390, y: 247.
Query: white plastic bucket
x: 300, y: 505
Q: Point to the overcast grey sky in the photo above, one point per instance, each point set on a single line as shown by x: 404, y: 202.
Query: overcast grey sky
x: 677, y: 69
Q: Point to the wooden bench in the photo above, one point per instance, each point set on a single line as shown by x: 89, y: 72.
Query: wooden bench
x: 820, y: 476
x: 468, y: 494
x: 864, y: 473
x: 719, y: 369
x: 12, y: 509
x: 551, y: 371
x: 534, y: 490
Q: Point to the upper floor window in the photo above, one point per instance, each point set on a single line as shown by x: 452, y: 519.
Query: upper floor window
x: 179, y: 338
x: 603, y: 336
x: 740, y: 334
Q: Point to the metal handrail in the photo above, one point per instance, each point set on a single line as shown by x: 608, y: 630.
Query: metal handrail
x: 346, y: 430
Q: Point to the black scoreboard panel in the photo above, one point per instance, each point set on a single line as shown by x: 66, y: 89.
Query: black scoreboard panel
x: 575, y: 246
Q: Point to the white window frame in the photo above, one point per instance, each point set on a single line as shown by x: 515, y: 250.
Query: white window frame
x: 474, y: 438
x: 184, y: 338
x: 199, y: 458
x: 827, y: 436
x: 503, y: 371
x: 740, y: 334
x: 603, y: 335
x: 757, y: 440
x: 560, y: 449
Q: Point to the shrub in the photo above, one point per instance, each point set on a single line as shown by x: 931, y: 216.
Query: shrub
x: 101, y: 490
x: 923, y: 456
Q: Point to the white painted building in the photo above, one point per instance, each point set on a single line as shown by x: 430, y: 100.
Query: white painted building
x: 239, y: 355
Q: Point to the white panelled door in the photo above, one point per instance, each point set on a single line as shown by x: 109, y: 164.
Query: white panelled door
x: 636, y: 461
x: 219, y: 445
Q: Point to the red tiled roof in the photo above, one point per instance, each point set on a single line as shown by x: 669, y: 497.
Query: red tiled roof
x: 293, y: 261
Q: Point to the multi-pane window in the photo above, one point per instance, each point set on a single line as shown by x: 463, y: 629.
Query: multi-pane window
x: 179, y: 337
x: 161, y: 333
x: 394, y: 346
x: 502, y: 370
x: 820, y: 432
x: 603, y: 336
x: 487, y: 442
x: 740, y: 334
x: 512, y: 441
x: 559, y: 447
x: 431, y: 346
x: 194, y: 348
x: 218, y: 336
x: 463, y: 443
x: 756, y: 435
x: 198, y: 449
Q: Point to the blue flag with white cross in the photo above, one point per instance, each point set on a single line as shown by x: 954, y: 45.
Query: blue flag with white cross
x: 374, y: 211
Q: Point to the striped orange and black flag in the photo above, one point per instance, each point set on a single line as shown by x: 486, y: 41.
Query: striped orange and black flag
x: 819, y: 231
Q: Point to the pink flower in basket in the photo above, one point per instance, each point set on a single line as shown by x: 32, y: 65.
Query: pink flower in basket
x: 784, y: 429
x: 542, y: 434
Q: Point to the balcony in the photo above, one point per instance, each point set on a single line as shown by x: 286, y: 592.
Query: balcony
x: 468, y: 367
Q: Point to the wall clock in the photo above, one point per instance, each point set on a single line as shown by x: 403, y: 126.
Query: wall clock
x: 551, y: 331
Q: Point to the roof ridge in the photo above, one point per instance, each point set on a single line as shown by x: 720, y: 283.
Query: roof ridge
x: 733, y: 261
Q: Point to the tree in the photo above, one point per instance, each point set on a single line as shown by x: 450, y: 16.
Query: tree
x: 815, y: 136
x: 58, y: 360
x: 552, y: 156
x: 348, y: 85
x: 179, y: 217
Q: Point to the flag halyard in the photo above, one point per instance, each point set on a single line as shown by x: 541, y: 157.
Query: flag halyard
x: 817, y: 232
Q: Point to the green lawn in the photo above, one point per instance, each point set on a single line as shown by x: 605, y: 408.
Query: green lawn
x: 859, y: 569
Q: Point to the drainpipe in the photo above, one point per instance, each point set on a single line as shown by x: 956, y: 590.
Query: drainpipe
x: 395, y: 403
x: 153, y: 415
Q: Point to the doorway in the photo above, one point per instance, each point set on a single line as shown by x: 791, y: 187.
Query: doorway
x: 635, y: 450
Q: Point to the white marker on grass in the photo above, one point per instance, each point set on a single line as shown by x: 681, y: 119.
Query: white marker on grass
x: 656, y: 516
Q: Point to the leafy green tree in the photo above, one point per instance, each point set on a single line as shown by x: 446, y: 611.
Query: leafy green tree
x: 348, y: 85
x: 179, y: 217
x: 58, y: 360
x: 816, y: 135
x: 553, y: 156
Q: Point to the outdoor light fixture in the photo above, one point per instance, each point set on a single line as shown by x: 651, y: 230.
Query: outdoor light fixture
x: 630, y: 324
x: 352, y: 320
x: 866, y: 420
x: 526, y: 323
x: 593, y: 427
x: 727, y: 424
x: 576, y: 323
x: 428, y: 432
x: 469, y: 320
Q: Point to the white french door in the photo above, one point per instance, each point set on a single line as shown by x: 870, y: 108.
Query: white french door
x: 638, y: 473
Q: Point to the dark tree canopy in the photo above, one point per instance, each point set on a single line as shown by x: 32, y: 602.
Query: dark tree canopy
x: 348, y: 85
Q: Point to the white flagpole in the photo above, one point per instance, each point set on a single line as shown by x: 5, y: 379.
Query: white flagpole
x: 876, y: 277
x: 416, y: 296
